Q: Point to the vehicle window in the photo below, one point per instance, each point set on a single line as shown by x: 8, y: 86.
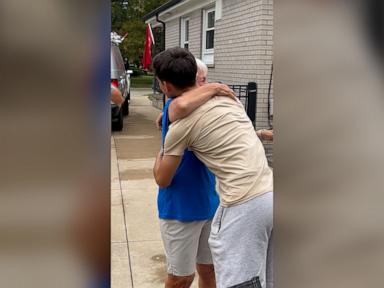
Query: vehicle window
x: 116, y: 59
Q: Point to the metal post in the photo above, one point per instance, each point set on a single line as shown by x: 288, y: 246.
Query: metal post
x: 252, y: 100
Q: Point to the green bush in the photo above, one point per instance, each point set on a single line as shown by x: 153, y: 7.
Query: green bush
x: 137, y: 72
x: 142, y: 81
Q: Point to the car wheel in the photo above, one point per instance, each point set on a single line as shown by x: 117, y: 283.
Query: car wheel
x: 119, y: 123
x: 125, y: 107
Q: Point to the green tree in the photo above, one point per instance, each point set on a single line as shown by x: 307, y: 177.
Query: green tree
x: 133, y: 46
x: 119, y: 11
x: 127, y: 18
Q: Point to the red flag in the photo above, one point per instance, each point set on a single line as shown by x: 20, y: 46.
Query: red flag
x: 147, y: 57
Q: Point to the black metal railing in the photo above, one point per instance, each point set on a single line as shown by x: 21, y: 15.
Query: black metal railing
x: 247, y: 94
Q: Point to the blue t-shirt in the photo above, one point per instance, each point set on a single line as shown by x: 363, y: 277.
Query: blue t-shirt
x: 191, y: 196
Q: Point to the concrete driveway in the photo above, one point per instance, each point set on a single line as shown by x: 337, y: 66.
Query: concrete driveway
x: 138, y: 259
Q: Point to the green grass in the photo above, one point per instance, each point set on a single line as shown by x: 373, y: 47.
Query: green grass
x: 143, y: 81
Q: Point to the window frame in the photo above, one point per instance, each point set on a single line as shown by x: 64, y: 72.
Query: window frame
x: 208, y: 54
x: 183, y: 41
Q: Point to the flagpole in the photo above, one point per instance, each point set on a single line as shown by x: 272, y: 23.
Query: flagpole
x: 151, y: 33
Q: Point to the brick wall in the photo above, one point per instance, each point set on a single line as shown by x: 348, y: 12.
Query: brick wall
x: 243, y: 48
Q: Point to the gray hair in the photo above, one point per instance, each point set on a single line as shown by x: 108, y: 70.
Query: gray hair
x: 201, y: 67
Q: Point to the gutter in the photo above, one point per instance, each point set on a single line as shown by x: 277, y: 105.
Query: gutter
x: 160, y: 9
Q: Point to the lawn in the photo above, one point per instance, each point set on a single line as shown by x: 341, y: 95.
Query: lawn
x: 142, y: 81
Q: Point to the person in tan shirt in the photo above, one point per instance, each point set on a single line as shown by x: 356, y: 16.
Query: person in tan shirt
x: 222, y: 137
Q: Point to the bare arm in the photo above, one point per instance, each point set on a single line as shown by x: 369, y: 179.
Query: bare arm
x: 116, y: 96
x: 159, y: 120
x: 189, y: 101
x: 264, y: 134
x: 165, y: 168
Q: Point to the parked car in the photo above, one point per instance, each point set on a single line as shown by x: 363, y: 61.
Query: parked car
x: 120, y: 78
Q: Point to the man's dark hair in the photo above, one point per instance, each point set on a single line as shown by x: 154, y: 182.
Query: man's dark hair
x: 176, y: 66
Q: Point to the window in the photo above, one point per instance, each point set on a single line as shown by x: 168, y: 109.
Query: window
x: 208, y: 36
x: 184, y: 36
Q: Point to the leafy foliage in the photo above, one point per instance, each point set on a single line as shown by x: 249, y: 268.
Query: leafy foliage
x: 127, y: 18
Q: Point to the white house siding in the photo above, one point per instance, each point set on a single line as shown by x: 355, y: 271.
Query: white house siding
x: 172, y: 37
x: 195, y: 33
x: 172, y: 34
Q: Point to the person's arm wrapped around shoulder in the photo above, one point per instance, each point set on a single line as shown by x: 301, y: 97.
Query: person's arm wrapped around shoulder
x: 189, y: 101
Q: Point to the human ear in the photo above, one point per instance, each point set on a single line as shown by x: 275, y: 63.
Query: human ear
x: 169, y: 87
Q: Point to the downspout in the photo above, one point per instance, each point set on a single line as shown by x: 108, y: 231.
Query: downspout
x: 163, y: 23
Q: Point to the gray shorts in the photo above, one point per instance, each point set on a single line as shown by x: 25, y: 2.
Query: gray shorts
x: 241, y: 242
x: 185, y: 244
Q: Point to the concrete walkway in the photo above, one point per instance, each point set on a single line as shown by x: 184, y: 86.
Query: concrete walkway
x: 138, y: 259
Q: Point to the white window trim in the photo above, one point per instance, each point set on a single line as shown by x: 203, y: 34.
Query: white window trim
x: 218, y: 9
x: 182, y: 32
x: 207, y: 53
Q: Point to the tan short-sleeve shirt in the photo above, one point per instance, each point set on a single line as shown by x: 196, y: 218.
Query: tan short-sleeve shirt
x: 223, y: 138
